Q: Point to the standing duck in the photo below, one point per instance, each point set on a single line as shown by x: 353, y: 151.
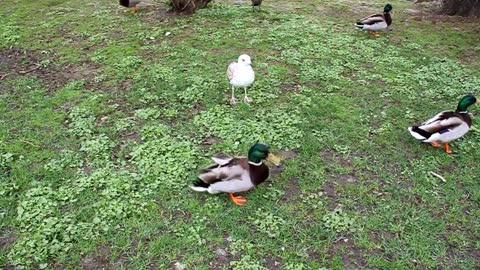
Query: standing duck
x: 131, y: 4
x: 236, y: 174
x: 256, y: 3
x: 446, y: 126
x: 241, y: 74
x: 376, y: 22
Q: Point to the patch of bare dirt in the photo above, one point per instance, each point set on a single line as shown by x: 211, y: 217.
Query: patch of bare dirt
x: 7, y: 238
x: 223, y: 256
x: 287, y: 154
x: 329, y: 190
x: 100, y: 260
x: 125, y: 85
x: 222, y: 259
x: 289, y: 87
x: 212, y: 140
x: 292, y: 190
x: 352, y: 256
x: 15, y: 62
x: 331, y: 157
x: 344, y: 179
x: 131, y: 136
x: 430, y: 12
x: 272, y: 262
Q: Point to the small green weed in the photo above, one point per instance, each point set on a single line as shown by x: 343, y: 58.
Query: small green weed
x: 338, y: 221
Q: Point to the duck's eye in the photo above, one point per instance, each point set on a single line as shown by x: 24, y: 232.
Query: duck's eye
x: 243, y: 60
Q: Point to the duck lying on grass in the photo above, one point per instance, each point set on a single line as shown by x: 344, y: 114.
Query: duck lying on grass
x: 131, y: 4
x: 446, y: 126
x: 236, y: 174
x: 376, y: 22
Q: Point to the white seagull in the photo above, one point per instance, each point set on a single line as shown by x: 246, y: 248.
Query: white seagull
x: 241, y: 74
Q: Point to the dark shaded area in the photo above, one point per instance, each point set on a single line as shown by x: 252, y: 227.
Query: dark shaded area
x: 465, y: 8
x: 188, y: 6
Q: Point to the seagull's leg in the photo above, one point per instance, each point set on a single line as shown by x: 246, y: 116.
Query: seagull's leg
x: 233, y: 101
x: 247, y: 99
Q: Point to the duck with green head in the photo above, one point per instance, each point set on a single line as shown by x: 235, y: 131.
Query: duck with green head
x: 376, y: 22
x: 446, y: 126
x: 236, y: 174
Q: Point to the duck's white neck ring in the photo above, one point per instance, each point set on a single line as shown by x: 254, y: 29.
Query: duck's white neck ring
x: 464, y: 112
x: 255, y: 164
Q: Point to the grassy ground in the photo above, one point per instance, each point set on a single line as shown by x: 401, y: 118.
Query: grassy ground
x: 105, y: 120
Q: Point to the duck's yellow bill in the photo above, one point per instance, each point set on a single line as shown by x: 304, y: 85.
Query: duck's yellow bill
x: 274, y: 159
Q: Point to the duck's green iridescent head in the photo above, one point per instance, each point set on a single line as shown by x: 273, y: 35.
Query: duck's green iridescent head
x: 387, y: 8
x: 465, y: 102
x: 259, y: 152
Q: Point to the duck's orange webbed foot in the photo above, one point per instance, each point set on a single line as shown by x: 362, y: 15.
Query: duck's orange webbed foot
x: 238, y: 200
x: 373, y: 33
x: 447, y: 148
x: 134, y: 9
x: 436, y: 144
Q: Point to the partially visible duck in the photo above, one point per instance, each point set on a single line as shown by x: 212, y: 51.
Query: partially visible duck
x: 256, y: 3
x: 131, y: 4
x: 446, y: 126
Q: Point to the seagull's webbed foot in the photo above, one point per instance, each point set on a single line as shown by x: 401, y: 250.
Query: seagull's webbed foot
x: 233, y: 101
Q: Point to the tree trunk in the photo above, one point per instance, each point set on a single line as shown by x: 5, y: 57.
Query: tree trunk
x: 463, y: 8
x: 188, y: 6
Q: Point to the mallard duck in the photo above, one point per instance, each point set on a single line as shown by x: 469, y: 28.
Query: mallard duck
x: 446, y: 126
x: 131, y: 4
x: 256, y: 3
x: 241, y: 74
x: 236, y: 174
x: 376, y: 22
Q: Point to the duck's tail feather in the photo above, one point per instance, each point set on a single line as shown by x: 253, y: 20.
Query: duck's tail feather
x: 202, y: 186
x: 209, y: 169
x: 419, y: 133
x: 199, y: 186
x: 209, y: 177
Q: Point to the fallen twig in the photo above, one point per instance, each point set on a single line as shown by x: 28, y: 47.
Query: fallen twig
x: 439, y: 176
x: 27, y: 142
x: 3, y: 76
x: 21, y: 72
x: 340, y: 239
x: 30, y: 70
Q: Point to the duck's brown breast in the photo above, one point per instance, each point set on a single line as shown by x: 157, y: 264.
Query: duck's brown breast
x: 258, y: 174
